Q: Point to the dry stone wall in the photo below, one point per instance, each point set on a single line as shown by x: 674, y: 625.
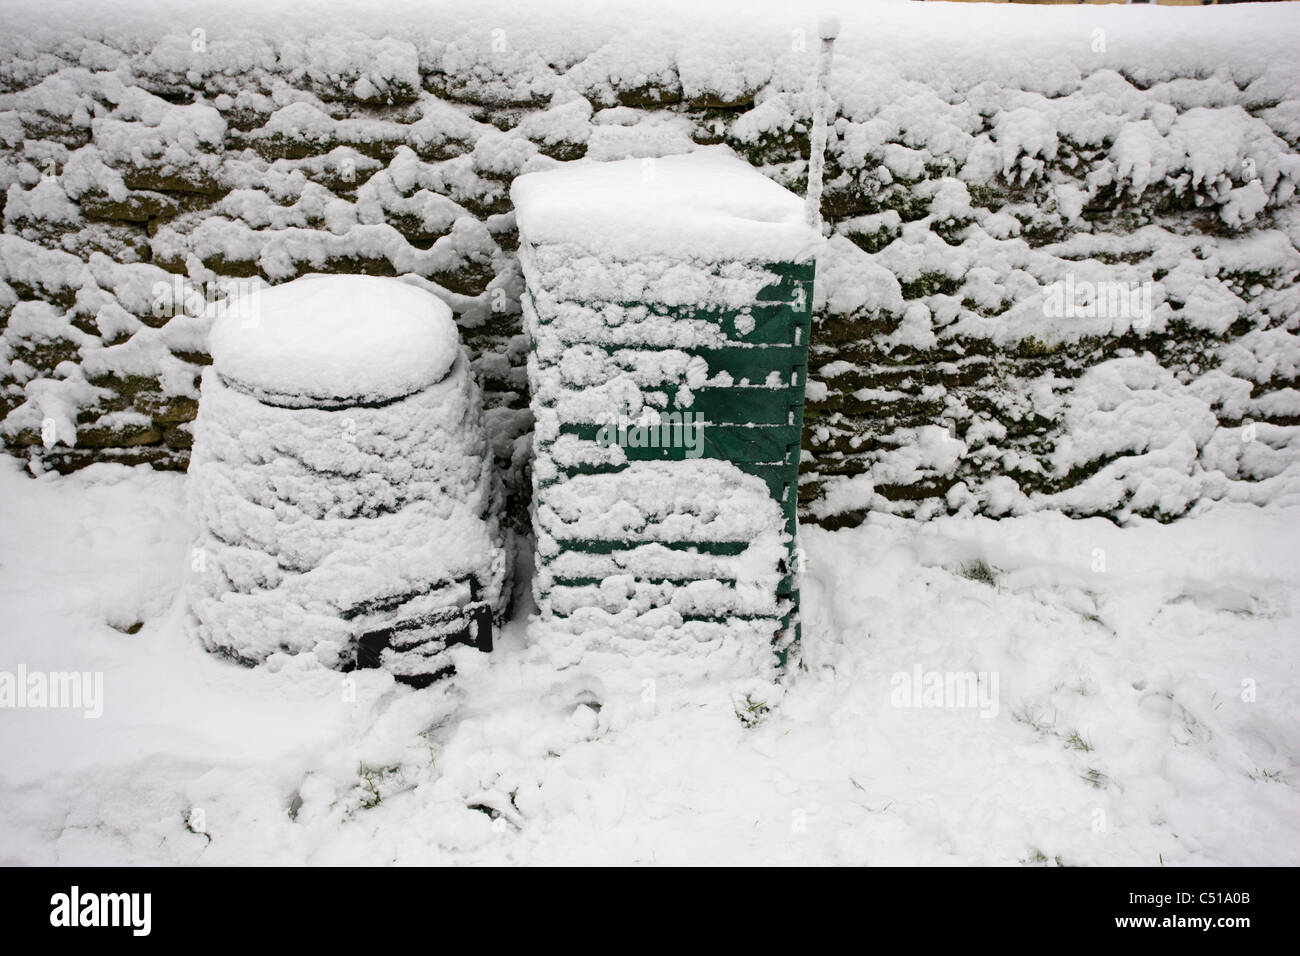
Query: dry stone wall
x: 1057, y: 276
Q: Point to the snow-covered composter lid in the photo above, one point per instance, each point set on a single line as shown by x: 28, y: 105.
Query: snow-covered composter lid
x: 335, y: 339
x: 709, y: 205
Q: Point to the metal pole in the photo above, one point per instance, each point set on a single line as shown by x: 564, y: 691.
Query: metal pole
x: 829, y: 29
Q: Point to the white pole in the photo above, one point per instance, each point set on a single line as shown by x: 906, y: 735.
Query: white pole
x: 829, y: 29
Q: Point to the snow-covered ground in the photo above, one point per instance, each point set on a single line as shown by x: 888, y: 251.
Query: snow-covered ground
x: 1136, y: 705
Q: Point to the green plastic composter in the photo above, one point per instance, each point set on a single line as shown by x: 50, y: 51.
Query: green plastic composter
x: 668, y: 305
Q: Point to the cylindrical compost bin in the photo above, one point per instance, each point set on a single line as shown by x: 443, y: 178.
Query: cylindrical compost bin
x: 341, y: 482
x: 668, y: 305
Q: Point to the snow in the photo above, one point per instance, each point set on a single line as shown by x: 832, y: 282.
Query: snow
x: 627, y: 265
x: 1165, y: 649
x: 707, y: 205
x: 342, y: 337
x: 1141, y: 108
x: 340, y: 479
x: 1142, y: 711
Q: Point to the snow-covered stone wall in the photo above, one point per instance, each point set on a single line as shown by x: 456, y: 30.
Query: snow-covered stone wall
x: 1062, y: 270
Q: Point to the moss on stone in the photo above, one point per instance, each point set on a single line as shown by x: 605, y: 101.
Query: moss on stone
x: 873, y: 242
x: 46, y: 355
x: 986, y: 196
x: 649, y: 95
x: 1033, y: 348
x: 138, y: 206
x: 178, y: 438
x: 171, y: 179
x: 930, y: 283
x: 118, y: 436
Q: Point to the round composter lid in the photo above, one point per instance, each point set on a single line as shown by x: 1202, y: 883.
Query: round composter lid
x: 343, y: 338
